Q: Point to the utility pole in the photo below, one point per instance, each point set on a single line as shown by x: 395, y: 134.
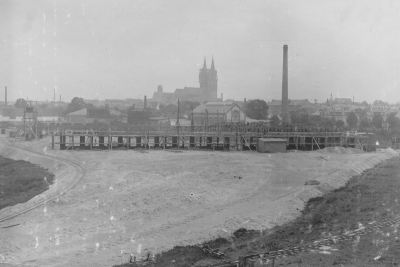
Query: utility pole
x: 206, y: 130
x: 177, y: 123
x: 192, y: 121
x: 5, y: 95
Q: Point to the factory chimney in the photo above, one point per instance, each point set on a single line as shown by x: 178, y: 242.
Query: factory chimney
x: 284, y: 111
x: 145, y: 103
x: 5, y: 95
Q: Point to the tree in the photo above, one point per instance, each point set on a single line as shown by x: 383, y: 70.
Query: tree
x: 300, y: 117
x: 169, y: 109
x: 20, y: 103
x: 99, y: 112
x: 275, y: 121
x: 365, y: 123
x: 257, y: 109
x: 394, y: 122
x: 339, y: 124
x: 352, y: 120
x: 186, y: 107
x: 377, y: 121
x: 328, y: 123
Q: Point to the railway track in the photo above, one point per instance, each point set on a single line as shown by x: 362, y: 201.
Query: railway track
x: 43, y: 199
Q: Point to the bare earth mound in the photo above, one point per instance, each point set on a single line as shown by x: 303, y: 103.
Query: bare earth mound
x: 130, y: 202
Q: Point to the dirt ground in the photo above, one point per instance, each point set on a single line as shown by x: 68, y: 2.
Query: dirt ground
x: 364, y: 203
x: 134, y: 202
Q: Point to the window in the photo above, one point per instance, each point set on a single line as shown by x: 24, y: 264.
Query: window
x: 235, y: 116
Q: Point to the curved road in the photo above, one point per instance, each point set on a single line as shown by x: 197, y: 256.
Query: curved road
x: 17, y: 210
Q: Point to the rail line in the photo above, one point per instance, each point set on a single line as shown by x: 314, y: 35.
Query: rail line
x: 80, y: 173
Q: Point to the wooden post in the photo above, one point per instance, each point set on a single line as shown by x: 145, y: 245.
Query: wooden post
x: 237, y: 145
x: 52, y: 140
x: 213, y: 144
x: 312, y: 143
x: 148, y: 139
x: 242, y: 261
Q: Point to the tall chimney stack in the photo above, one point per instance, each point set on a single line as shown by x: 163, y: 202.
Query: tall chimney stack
x: 145, y: 103
x: 285, y: 100
x: 5, y: 95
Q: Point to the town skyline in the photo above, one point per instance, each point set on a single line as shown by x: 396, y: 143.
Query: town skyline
x: 125, y: 49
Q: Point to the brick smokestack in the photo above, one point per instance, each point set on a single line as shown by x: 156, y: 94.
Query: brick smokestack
x: 5, y: 95
x: 285, y: 85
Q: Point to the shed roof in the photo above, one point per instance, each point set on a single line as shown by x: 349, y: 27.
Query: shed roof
x: 215, y: 107
x: 82, y: 112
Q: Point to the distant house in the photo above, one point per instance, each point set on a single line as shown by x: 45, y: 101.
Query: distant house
x: 49, y: 119
x: 78, y: 117
x: 95, y: 114
x: 342, y: 101
x: 335, y: 114
x: 380, y: 107
x: 182, y: 122
x: 213, y: 112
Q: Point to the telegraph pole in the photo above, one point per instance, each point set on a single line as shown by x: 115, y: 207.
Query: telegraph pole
x: 177, y: 123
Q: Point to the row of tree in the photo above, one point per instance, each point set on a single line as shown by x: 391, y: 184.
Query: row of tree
x: 356, y: 120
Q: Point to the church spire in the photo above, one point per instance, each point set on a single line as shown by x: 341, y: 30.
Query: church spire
x: 204, y: 64
x: 212, y: 64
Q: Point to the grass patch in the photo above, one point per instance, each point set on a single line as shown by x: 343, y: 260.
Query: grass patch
x: 21, y: 180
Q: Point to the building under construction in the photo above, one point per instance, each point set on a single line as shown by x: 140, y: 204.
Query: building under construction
x: 186, y: 138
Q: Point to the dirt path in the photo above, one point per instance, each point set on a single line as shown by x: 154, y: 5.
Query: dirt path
x: 71, y: 173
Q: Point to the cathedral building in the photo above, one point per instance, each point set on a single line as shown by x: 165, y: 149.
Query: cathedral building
x: 207, y: 91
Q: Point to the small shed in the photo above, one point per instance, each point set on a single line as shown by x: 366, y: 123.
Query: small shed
x: 271, y: 145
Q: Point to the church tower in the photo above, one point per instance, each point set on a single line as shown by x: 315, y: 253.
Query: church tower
x: 212, y: 82
x: 209, y: 81
x: 203, y: 76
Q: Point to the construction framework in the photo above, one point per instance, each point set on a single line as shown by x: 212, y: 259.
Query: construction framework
x: 212, y: 140
x: 30, y: 123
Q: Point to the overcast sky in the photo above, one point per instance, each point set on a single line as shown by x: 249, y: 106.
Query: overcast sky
x: 124, y: 49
